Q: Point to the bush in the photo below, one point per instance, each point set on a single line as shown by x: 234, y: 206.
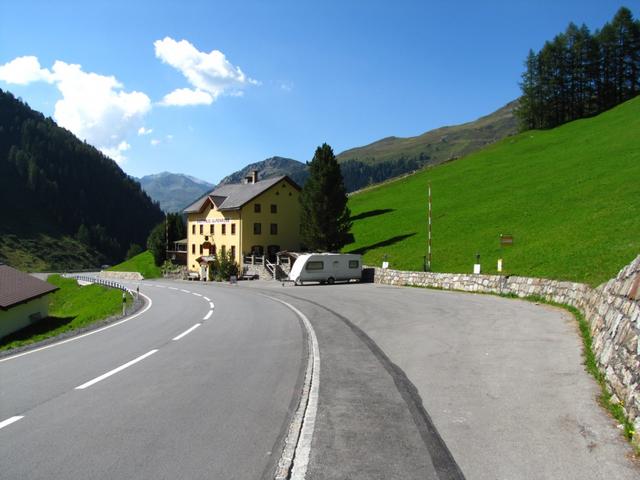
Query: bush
x: 222, y: 268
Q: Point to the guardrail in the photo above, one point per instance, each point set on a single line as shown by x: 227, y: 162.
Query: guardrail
x: 101, y: 281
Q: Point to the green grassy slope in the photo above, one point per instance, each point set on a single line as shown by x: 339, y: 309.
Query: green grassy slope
x: 142, y: 263
x: 71, y: 307
x: 570, y: 196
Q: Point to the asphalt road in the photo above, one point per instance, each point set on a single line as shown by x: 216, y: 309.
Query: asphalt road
x: 413, y: 384
x: 213, y: 404
x: 501, y: 382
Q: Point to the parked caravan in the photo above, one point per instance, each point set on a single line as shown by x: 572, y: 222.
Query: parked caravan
x: 326, y: 267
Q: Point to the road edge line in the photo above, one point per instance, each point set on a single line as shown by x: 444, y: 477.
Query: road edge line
x: 295, y: 456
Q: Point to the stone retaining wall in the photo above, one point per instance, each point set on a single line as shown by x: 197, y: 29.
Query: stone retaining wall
x: 120, y: 275
x: 612, y: 310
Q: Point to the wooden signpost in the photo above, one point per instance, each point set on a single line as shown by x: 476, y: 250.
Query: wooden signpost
x: 506, y: 240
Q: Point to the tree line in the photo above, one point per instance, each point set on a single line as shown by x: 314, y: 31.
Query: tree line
x: 579, y: 74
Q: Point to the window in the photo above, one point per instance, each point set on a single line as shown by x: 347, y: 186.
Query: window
x: 354, y: 263
x: 257, y: 228
x: 193, y: 245
x: 193, y: 229
x: 201, y: 229
x: 233, y: 252
x: 224, y: 229
x: 315, y: 266
x: 233, y: 229
x: 274, y: 229
x: 211, y: 229
x: 200, y: 249
x: 257, y: 207
x: 274, y: 208
x: 223, y: 251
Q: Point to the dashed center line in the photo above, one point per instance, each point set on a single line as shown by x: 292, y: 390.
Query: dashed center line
x: 115, y: 370
x: 206, y: 317
x: 207, y: 299
x: 173, y: 288
x: 211, y: 306
x: 9, y: 421
x: 196, y: 294
x: 185, y: 291
x: 187, y: 332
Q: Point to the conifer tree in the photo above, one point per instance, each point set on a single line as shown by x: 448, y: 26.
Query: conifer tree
x: 325, y: 221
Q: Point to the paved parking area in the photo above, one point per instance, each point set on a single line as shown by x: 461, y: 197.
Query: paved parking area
x: 502, y: 380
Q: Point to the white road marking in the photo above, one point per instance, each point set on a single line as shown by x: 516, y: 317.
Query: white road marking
x: 115, y: 370
x: 185, y: 291
x: 187, y: 332
x: 160, y: 286
x: 308, y: 409
x: 206, y: 317
x: 196, y: 294
x: 9, y: 421
x: 211, y: 305
x: 72, y: 339
x: 207, y: 299
x: 172, y: 288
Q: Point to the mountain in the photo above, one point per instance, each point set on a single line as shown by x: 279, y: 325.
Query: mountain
x: 174, y: 191
x: 569, y: 196
x: 65, y: 204
x: 392, y: 156
x: 361, y: 166
x: 271, y: 167
x: 439, y: 145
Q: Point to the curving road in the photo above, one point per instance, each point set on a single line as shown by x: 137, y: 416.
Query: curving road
x: 210, y: 403
x: 413, y: 384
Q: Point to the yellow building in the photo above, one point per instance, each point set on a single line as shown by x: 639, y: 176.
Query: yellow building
x: 257, y: 217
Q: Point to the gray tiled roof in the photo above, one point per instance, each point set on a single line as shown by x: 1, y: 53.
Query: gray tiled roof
x: 234, y: 195
x: 18, y: 287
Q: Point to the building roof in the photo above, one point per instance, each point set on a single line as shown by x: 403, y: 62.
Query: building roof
x: 233, y: 196
x: 17, y: 287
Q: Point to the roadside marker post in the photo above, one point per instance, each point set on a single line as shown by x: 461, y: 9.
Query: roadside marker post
x: 124, y: 302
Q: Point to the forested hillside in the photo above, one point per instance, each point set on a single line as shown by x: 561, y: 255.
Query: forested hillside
x: 64, y: 204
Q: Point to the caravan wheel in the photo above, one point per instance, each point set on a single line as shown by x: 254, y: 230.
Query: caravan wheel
x: 331, y: 280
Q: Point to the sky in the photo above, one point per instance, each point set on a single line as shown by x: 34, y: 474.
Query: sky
x: 206, y: 87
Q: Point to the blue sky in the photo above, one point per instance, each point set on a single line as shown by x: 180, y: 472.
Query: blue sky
x: 283, y: 77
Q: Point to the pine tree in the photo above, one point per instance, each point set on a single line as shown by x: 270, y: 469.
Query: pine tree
x: 325, y: 221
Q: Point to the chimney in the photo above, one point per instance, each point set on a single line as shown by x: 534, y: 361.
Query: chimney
x: 252, y: 177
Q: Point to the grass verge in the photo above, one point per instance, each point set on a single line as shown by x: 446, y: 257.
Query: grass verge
x: 72, y: 307
x: 142, y: 263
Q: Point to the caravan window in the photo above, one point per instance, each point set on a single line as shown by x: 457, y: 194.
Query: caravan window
x: 354, y: 264
x: 315, y: 266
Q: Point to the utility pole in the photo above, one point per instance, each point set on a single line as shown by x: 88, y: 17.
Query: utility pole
x: 429, y: 234
x: 166, y: 235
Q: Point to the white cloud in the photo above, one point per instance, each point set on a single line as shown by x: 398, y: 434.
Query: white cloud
x: 144, y: 131
x: 94, y: 107
x: 185, y: 96
x: 24, y: 70
x: 169, y: 137
x: 154, y: 142
x: 211, y: 74
x: 116, y: 153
